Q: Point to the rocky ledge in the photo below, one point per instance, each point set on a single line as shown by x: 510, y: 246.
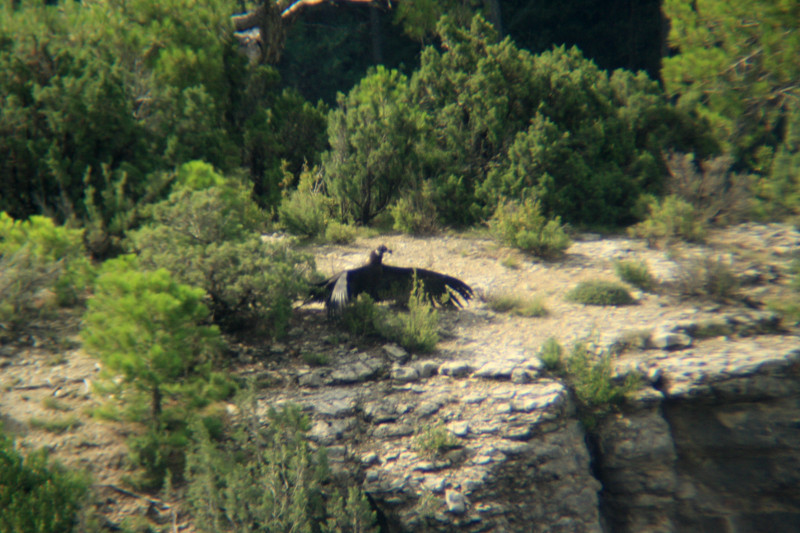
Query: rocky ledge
x: 710, y: 443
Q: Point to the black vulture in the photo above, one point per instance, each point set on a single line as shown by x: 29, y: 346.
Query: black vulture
x: 385, y: 282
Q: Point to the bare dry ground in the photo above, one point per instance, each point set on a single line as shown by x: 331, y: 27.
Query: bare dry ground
x: 45, y: 377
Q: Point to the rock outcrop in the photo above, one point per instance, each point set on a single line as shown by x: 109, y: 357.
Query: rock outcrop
x: 710, y: 443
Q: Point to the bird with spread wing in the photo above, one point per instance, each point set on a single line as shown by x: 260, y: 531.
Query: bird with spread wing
x: 388, y: 283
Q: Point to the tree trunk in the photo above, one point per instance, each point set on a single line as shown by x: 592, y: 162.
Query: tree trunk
x: 495, y: 15
x: 375, y: 33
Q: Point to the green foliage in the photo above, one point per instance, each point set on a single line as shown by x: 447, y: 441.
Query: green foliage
x: 147, y: 330
x: 510, y: 303
x: 506, y: 124
x: 102, y: 99
x: 736, y: 64
x: 415, y: 213
x: 779, y: 194
x: 363, y: 317
x: 36, y: 495
x: 598, y: 292
x: 670, y: 218
x: 339, y: 233
x: 210, y: 239
x: 56, y: 425
x: 315, y: 358
x: 266, y: 478
x: 707, y: 277
x: 521, y: 224
x: 636, y: 273
x: 352, y: 514
x: 788, y: 305
x: 375, y: 145
x: 306, y: 211
x: 419, y: 328
x: 717, y: 194
x: 591, y: 379
x: 551, y: 353
x: 40, y: 264
x: 434, y: 440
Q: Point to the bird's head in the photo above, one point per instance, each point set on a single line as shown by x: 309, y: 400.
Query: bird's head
x: 376, y: 257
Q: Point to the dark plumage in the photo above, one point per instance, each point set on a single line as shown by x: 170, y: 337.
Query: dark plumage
x: 384, y: 282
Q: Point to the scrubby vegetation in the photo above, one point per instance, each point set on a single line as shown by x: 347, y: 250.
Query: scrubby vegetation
x: 37, y: 495
x: 433, y: 441
x: 42, y: 266
x: 416, y: 329
x: 268, y: 478
x: 509, y: 303
x: 707, y: 277
x: 636, y: 273
x: 599, y: 292
x: 590, y: 377
x: 521, y: 225
x: 158, y: 357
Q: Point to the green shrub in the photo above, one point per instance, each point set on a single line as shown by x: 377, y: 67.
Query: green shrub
x: 375, y: 145
x: 364, y: 317
x: 56, y: 425
x: 351, y: 514
x: 636, y: 273
x: 42, y: 266
x: 36, y: 255
x: 36, y: 495
x: 419, y: 328
x: 789, y: 304
x: 597, y: 292
x: 521, y: 224
x: 210, y: 239
x: 306, y: 210
x: 434, y: 440
x: 778, y: 195
x: 670, y: 219
x: 596, y: 390
x: 509, y: 303
x: 315, y: 358
x: 717, y: 194
x: 147, y: 330
x: 416, y: 330
x: 415, y: 213
x: 266, y: 478
x: 551, y: 353
x: 339, y: 233
x: 707, y: 277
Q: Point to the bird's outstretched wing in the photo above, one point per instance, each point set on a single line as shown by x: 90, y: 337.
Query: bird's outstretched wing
x: 384, y: 282
x: 397, y: 283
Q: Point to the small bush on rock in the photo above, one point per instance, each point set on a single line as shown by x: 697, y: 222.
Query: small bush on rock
x: 597, y: 292
x: 596, y: 390
x: 417, y: 329
x: 509, y: 303
x: 636, y: 273
x: 707, y: 277
x: 339, y: 233
x: 551, y: 354
x: 434, y: 440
